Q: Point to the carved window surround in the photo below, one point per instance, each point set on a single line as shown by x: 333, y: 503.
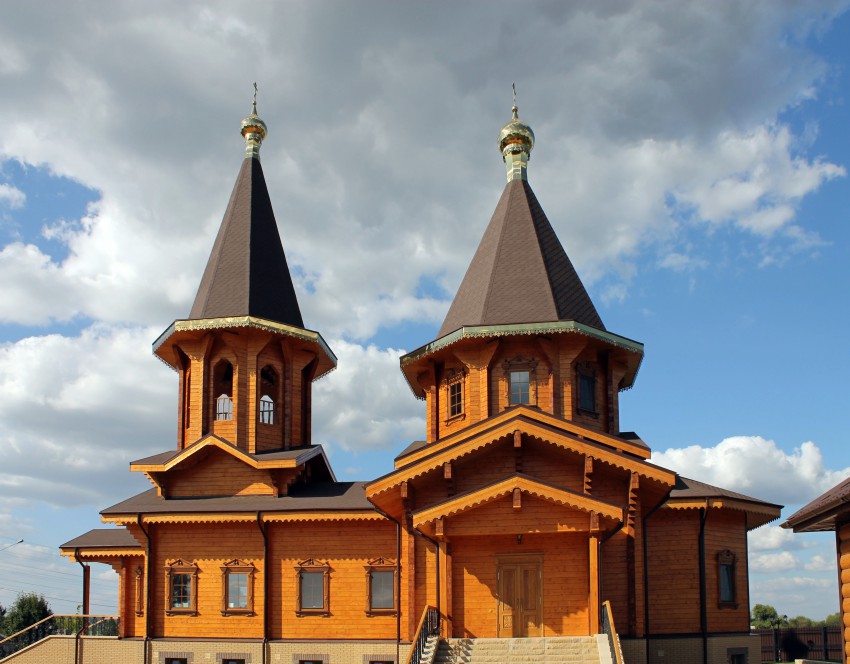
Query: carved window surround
x: 230, y: 605
x: 304, y: 570
x: 520, y: 363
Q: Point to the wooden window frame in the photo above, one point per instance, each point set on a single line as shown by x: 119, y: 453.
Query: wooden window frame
x: 455, y: 379
x: 270, y: 389
x: 727, y: 559
x: 585, y: 370
x: 237, y: 567
x: 315, y: 567
x: 138, y: 587
x: 172, y: 569
x: 381, y: 565
x: 221, y: 394
x: 520, y: 363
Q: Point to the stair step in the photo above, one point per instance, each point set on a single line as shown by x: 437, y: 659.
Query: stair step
x: 534, y: 650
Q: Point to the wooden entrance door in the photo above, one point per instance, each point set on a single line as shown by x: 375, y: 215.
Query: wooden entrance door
x: 520, y: 581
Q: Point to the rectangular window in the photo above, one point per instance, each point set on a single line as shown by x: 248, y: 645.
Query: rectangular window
x: 520, y: 393
x: 181, y: 580
x: 455, y: 399
x: 312, y: 590
x: 232, y: 661
x: 181, y: 591
x: 727, y: 583
x: 587, y: 392
x: 176, y: 660
x: 726, y: 579
x: 382, y: 590
x: 237, y: 590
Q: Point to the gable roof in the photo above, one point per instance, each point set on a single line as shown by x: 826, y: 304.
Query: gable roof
x: 692, y: 494
x: 247, y: 273
x: 824, y: 512
x: 291, y: 458
x: 520, y: 272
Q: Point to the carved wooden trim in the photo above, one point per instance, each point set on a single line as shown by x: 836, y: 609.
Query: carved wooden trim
x: 313, y: 566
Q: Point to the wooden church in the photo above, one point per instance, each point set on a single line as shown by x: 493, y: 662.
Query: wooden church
x: 526, y: 517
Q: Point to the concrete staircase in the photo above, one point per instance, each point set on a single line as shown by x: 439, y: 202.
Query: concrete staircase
x: 544, y: 650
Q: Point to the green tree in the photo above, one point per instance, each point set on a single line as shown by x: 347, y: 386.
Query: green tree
x: 2, y: 619
x: 832, y: 620
x: 27, y: 610
x: 764, y: 616
x: 801, y: 621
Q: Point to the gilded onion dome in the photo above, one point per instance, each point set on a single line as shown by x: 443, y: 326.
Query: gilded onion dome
x: 516, y: 140
x: 254, y: 130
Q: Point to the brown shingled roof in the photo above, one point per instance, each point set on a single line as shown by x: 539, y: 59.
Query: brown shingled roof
x: 688, y: 488
x: 247, y: 274
x: 318, y: 496
x: 823, y: 512
x: 103, y: 538
x: 520, y: 272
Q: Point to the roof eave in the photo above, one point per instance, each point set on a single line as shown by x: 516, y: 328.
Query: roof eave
x: 519, y: 329
x: 327, y: 358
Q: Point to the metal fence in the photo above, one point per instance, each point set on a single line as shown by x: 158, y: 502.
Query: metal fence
x: 786, y: 644
x: 65, y: 625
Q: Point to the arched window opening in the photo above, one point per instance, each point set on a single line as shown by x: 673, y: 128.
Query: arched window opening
x: 223, y: 387
x: 266, y: 410
x: 268, y: 392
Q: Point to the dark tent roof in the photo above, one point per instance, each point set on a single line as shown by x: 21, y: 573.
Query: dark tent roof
x: 247, y: 274
x: 520, y: 272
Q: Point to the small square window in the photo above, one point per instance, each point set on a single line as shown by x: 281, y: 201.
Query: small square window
x: 520, y: 392
x: 176, y: 660
x: 456, y: 399
x: 232, y: 661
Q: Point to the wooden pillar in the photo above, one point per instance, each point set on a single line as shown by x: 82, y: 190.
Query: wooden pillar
x: 593, y: 571
x: 446, y: 586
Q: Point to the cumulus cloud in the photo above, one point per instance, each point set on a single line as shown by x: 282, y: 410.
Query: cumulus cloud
x: 821, y: 563
x: 783, y: 561
x: 76, y: 410
x: 391, y: 176
x: 773, y: 538
x: 757, y: 467
x: 11, y: 196
x: 366, y: 403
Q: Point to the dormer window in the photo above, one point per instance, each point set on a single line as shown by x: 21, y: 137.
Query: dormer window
x: 223, y: 387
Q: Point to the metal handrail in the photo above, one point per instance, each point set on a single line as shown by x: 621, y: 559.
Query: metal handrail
x: 610, y: 630
x: 61, y: 624
x: 429, y: 625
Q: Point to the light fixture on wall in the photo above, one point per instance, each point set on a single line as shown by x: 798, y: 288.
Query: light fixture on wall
x: 519, y: 539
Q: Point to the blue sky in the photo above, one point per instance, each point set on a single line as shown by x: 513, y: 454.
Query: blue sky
x: 691, y: 157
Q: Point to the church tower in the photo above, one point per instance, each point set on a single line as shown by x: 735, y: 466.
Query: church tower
x: 246, y: 363
x: 522, y: 330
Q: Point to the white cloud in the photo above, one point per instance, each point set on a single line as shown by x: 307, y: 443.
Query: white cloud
x: 772, y: 538
x: 783, y: 561
x: 821, y: 563
x: 76, y: 410
x: 392, y: 175
x: 366, y: 403
x: 11, y: 196
x: 756, y: 467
